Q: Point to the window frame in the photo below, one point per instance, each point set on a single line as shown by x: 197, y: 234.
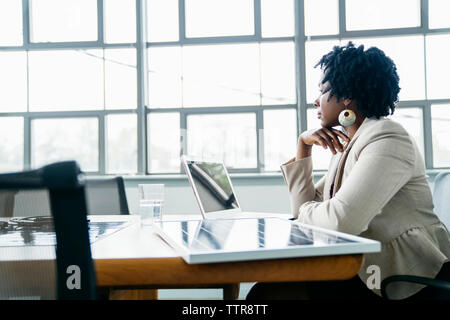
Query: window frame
x: 100, y: 114
x: 258, y: 109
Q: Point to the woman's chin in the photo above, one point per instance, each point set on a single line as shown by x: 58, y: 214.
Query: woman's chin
x: 328, y: 124
x: 324, y: 124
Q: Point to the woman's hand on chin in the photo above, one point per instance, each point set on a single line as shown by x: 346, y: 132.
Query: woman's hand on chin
x: 325, y: 137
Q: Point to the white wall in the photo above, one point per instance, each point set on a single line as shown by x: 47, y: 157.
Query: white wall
x: 254, y: 194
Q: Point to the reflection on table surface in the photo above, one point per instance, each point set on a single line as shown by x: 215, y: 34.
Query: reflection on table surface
x: 246, y: 234
x: 39, y: 231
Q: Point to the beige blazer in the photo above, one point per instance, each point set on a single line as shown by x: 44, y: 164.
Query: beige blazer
x: 380, y: 192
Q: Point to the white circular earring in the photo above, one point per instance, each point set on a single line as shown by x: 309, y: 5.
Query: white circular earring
x: 347, y: 117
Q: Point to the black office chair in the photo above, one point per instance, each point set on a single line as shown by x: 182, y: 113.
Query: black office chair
x: 103, y: 196
x: 65, y: 186
x: 29, y: 203
x: 437, y: 289
x: 441, y: 292
x: 106, y: 196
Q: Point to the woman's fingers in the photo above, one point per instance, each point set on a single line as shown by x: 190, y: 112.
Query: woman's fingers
x: 341, y: 134
x: 328, y: 140
x: 325, y: 137
x: 320, y: 141
x: 337, y: 144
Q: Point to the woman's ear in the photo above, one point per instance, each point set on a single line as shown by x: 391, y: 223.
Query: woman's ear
x: 347, y: 102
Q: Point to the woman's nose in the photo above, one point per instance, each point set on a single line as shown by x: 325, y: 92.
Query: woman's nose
x: 316, y: 102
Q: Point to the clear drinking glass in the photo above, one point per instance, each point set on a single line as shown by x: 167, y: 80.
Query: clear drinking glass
x: 151, y: 201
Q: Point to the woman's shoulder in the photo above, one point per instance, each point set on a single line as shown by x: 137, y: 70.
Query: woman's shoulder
x: 388, y: 136
x: 385, y: 126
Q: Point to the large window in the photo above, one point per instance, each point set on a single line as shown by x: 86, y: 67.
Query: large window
x: 219, y: 73
x: 69, y: 84
x: 126, y: 87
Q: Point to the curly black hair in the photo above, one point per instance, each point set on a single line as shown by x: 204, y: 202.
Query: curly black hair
x: 368, y: 77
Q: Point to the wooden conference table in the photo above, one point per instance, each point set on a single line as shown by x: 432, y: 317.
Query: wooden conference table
x: 137, y: 258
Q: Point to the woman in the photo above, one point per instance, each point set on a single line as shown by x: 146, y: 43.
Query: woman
x: 376, y: 185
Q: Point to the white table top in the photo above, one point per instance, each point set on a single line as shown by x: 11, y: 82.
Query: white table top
x: 132, y: 242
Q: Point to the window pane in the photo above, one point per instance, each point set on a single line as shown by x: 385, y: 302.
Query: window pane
x: 408, y: 55
x: 120, y: 21
x: 278, y: 73
x: 221, y: 75
x: 277, y: 18
x: 55, y: 140
x: 121, y: 143
x: 162, y: 20
x: 11, y: 148
x: 438, y: 14
x: 438, y: 66
x: 164, y: 142
x: 314, y: 50
x: 227, y: 137
x: 382, y: 14
x: 11, y: 23
x: 120, y: 79
x: 214, y: 18
x: 320, y: 157
x: 63, y: 20
x: 328, y: 21
x: 440, y: 116
x: 164, y: 77
x: 57, y: 79
x: 13, y: 81
x: 280, y: 137
x: 412, y: 120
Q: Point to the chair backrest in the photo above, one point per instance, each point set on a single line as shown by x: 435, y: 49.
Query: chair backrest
x: 7, y: 203
x: 31, y: 203
x: 65, y: 187
x: 103, y: 196
x: 441, y: 197
x: 106, y: 196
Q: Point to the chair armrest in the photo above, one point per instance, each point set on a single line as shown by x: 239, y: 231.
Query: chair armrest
x: 439, y: 284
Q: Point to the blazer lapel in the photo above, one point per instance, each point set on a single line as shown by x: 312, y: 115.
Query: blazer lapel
x: 341, y: 165
x: 331, y: 174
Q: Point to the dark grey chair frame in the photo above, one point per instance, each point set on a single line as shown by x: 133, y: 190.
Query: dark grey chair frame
x: 65, y: 184
x: 438, y: 284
